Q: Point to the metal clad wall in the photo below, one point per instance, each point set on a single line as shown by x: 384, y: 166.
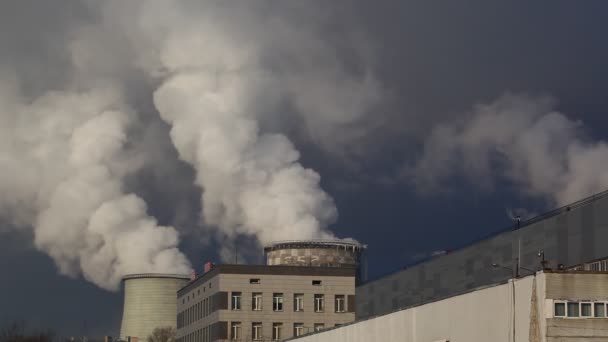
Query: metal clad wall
x: 571, y: 237
x: 574, y: 286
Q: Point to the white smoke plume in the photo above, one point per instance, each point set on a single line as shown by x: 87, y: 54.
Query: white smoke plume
x: 63, y: 162
x: 522, y: 139
x: 226, y: 69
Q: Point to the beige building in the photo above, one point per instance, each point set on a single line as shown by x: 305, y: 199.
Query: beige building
x: 264, y: 303
x: 545, y: 307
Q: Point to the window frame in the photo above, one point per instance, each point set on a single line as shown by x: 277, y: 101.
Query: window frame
x: 603, y: 304
x: 257, y: 301
x: 257, y: 331
x: 235, y: 331
x: 298, y: 329
x: 236, y: 301
x: 278, y: 299
x: 277, y: 330
x: 319, y: 302
x: 580, y: 309
x: 298, y: 302
x: 337, y: 299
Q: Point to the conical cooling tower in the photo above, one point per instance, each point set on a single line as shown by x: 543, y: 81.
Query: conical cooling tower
x: 150, y: 302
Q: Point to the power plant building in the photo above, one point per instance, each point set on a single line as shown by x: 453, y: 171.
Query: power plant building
x: 264, y: 303
x: 150, y: 302
x: 549, y: 306
x: 305, y: 286
x: 572, y: 237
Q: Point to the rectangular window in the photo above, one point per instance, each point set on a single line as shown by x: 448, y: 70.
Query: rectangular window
x: 573, y: 309
x: 340, y: 304
x: 256, y: 331
x: 599, y: 310
x: 319, y: 302
x: 316, y: 282
x: 256, y: 301
x: 235, y: 331
x: 236, y: 301
x: 277, y: 302
x: 298, y: 302
x: 560, y: 309
x: 319, y: 326
x: 277, y: 331
x: 254, y: 281
x: 586, y: 310
x: 298, y: 329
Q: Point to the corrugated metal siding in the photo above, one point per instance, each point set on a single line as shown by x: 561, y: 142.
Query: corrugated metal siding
x: 573, y: 286
x: 570, y: 238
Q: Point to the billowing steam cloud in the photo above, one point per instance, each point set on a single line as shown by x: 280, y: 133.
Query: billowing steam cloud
x: 62, y: 159
x: 229, y: 79
x: 222, y: 81
x: 522, y: 139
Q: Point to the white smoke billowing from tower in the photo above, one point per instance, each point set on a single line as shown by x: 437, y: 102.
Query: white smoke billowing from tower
x: 221, y: 79
x: 63, y: 166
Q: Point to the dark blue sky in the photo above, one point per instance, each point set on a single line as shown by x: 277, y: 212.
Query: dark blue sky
x: 436, y: 58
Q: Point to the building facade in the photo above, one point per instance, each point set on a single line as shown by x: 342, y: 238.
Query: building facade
x: 545, y: 307
x: 570, y: 236
x: 264, y: 303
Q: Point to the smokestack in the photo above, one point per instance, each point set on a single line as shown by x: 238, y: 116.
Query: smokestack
x: 150, y: 302
x: 208, y: 266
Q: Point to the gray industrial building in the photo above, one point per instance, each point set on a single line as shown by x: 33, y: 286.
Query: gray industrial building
x: 548, y: 306
x: 574, y: 236
x: 305, y: 286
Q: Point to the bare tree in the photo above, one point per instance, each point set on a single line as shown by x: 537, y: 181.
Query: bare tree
x: 16, y: 332
x: 163, y: 334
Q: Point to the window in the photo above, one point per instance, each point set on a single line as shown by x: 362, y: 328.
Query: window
x: 298, y: 329
x: 340, y: 303
x: 316, y: 282
x: 319, y: 303
x: 586, y: 310
x: 319, y: 326
x: 256, y: 301
x: 276, y: 331
x: 560, y: 309
x: 235, y: 330
x: 599, y: 310
x: 277, y: 302
x: 573, y: 309
x: 254, y: 281
x: 298, y: 302
x: 256, y: 331
x: 236, y: 301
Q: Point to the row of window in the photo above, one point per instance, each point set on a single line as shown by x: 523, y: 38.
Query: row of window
x: 197, y: 311
x: 195, y: 293
x: 582, y: 309
x: 278, y: 299
x: 257, y: 331
x: 200, y: 335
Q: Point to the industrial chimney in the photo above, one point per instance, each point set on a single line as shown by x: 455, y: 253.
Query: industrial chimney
x: 150, y: 302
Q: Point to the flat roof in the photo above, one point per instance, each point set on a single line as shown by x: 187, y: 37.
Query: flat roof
x: 253, y: 270
x: 347, y: 244
x: 155, y: 275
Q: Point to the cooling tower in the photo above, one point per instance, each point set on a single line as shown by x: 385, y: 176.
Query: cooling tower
x: 150, y: 302
x: 323, y: 253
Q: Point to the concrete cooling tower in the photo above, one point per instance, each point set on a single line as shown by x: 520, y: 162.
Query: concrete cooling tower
x: 321, y: 253
x: 150, y: 302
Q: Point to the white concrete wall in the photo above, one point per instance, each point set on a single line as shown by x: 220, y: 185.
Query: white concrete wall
x: 485, y: 315
x: 149, y: 303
